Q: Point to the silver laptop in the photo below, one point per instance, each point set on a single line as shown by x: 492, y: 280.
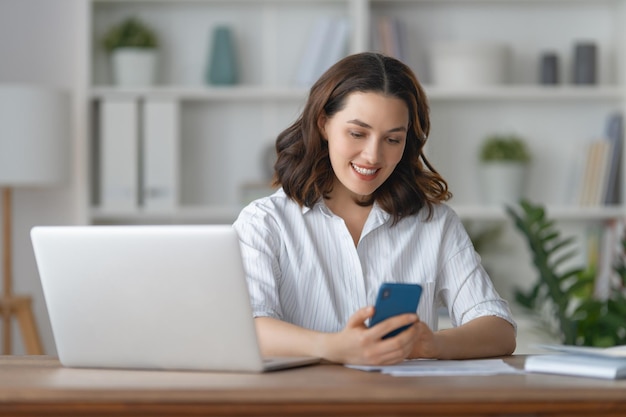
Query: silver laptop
x: 150, y: 297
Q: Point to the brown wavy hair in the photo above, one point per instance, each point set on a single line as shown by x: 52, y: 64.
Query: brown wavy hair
x: 303, y: 166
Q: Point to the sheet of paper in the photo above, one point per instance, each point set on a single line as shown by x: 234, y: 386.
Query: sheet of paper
x: 426, y: 367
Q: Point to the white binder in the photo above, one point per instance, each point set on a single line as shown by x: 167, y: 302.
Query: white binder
x: 160, y: 162
x: 119, y: 142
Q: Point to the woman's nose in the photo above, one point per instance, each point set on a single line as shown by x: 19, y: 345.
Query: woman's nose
x: 372, y: 150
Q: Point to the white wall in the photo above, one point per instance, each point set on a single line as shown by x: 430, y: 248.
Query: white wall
x: 41, y: 43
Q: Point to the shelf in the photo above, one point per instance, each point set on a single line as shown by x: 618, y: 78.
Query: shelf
x: 245, y: 93
x: 564, y: 213
x: 202, y: 93
x: 527, y: 93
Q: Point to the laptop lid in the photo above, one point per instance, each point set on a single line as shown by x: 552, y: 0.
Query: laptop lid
x: 154, y: 297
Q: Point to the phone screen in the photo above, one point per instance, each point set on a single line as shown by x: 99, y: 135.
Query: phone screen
x: 394, y: 299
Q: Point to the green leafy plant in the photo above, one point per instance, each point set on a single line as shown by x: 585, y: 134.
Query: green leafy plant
x: 131, y: 33
x: 504, y: 148
x: 566, y: 294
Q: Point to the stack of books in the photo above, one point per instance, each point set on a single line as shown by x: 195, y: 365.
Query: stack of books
x: 389, y: 36
x: 327, y: 44
x: 594, y: 362
x: 600, y: 179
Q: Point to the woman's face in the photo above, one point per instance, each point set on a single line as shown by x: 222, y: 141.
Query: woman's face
x: 366, y: 140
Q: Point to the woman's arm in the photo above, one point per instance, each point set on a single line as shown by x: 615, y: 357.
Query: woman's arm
x: 355, y: 344
x: 480, y: 338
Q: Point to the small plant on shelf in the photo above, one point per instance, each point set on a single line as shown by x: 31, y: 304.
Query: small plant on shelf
x: 504, y: 148
x: 132, y: 45
x: 503, y: 168
x: 563, y: 295
x: 130, y: 33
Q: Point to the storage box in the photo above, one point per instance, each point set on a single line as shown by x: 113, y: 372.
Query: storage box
x: 468, y: 64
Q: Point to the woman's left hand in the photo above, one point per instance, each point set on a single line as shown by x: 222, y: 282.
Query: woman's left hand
x: 425, y: 344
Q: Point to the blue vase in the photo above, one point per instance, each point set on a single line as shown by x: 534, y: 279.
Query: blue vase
x: 223, y: 65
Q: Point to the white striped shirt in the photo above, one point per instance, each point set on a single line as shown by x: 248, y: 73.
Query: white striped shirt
x: 302, y: 266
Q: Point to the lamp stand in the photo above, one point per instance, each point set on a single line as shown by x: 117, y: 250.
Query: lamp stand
x: 10, y: 305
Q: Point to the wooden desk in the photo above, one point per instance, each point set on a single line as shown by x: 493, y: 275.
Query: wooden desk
x: 39, y: 386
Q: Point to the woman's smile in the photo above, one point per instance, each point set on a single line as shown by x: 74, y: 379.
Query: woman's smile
x: 365, y: 172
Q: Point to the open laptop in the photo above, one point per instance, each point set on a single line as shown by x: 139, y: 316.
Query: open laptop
x: 151, y: 297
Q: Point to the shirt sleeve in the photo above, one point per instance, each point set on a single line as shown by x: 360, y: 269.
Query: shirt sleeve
x: 260, y: 249
x: 465, y: 285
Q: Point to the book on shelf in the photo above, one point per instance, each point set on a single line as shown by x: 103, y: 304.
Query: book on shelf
x: 603, y: 248
x: 601, y: 179
x: 160, y: 161
x: 615, y: 136
x: 118, y: 153
x: 609, y: 250
x: 389, y: 37
x: 595, y: 362
x: 327, y: 44
x: 595, y: 173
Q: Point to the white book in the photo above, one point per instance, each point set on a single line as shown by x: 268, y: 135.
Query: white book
x: 119, y: 143
x: 577, y: 365
x: 313, y: 53
x: 160, y: 162
x: 327, y: 44
x: 337, y: 45
x: 611, y: 352
x: 609, y: 252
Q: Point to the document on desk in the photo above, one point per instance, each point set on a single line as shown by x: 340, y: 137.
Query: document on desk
x: 428, y: 367
x: 608, y: 363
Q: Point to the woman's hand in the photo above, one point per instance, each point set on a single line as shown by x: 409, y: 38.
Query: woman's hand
x: 357, y: 344
x: 482, y: 337
x: 426, y: 343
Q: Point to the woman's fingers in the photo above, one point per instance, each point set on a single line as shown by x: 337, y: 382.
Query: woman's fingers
x: 393, y: 323
x: 359, y: 317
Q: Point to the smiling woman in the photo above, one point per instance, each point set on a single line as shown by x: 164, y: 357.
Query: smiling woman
x: 360, y: 205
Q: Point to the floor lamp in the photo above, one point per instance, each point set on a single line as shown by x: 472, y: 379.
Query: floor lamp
x: 34, y: 152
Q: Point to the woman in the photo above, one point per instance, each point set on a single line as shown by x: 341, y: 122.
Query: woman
x: 360, y: 205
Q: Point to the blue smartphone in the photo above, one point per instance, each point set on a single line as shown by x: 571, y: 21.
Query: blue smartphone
x: 393, y: 299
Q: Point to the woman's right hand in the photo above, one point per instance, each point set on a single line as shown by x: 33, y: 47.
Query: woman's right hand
x: 358, y: 344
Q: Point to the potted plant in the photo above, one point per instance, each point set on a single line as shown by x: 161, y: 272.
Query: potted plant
x: 503, y: 168
x: 132, y: 46
x: 564, y: 295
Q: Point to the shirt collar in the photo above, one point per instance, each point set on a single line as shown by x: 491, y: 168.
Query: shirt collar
x: 377, y: 215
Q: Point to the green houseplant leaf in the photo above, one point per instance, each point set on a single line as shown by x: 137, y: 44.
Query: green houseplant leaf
x: 581, y: 318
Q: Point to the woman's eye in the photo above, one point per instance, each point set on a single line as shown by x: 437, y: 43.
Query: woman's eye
x: 357, y: 135
x: 393, y: 140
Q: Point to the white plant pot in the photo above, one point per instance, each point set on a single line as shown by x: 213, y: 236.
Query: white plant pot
x: 134, y: 67
x: 502, y: 183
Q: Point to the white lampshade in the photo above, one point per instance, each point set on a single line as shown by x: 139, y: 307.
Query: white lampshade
x: 34, y: 135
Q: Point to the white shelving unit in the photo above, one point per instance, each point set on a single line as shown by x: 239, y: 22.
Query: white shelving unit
x: 225, y: 130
